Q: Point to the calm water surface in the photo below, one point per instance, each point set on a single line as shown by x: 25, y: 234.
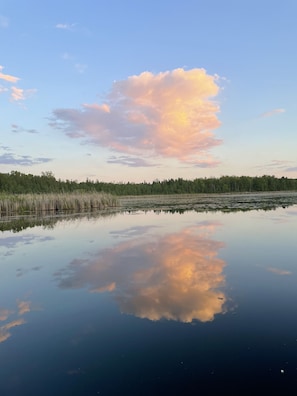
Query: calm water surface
x: 147, y: 303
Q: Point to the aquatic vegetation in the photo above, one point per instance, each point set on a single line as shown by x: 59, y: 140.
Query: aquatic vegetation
x: 210, y: 202
x: 12, y: 204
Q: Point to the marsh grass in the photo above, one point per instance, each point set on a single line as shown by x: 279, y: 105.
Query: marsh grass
x: 12, y: 204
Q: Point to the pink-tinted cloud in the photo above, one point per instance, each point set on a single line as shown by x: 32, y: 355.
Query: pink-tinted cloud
x: 170, y: 114
x: 17, y: 94
x: 7, y: 77
x: 272, y: 112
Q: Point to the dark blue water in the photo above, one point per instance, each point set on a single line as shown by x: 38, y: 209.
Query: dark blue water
x: 151, y: 304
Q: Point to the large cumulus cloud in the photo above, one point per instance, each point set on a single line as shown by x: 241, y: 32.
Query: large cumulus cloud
x: 170, y: 114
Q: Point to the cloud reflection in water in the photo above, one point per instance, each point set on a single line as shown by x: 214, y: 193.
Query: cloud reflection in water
x: 23, y: 307
x: 177, y: 276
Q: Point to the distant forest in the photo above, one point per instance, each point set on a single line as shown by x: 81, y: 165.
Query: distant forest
x: 20, y: 183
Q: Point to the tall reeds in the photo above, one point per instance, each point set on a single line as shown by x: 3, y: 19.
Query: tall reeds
x: 54, y: 203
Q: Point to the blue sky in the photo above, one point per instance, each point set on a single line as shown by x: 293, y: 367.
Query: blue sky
x: 137, y: 90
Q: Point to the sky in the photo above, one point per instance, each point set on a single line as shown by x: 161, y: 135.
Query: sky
x: 120, y: 91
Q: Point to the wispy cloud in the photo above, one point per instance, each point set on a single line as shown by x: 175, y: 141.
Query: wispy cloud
x: 66, y: 56
x: 170, y: 114
x: 8, y: 77
x: 26, y: 160
x: 16, y: 94
x: 129, y: 161
x: 272, y: 112
x: 278, y: 165
x: 23, y: 307
x: 4, y: 21
x: 279, y: 271
x: 80, y: 67
x: 73, y: 27
x: 18, y: 129
x: 3, y: 89
x: 291, y: 169
x: 65, y: 26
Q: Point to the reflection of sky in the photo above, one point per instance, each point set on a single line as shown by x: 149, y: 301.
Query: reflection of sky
x: 26, y: 239
x: 176, y: 276
x: 153, y: 265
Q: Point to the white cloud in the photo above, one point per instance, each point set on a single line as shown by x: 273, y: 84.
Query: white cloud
x: 65, y: 26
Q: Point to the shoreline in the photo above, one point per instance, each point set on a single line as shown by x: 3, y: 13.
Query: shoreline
x: 225, y: 202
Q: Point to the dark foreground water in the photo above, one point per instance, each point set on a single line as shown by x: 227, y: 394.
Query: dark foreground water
x: 147, y: 303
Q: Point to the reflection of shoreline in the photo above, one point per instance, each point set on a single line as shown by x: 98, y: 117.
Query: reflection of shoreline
x: 20, y: 223
x: 180, y: 203
x: 176, y: 277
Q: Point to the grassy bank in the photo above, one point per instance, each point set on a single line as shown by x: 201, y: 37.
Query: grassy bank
x: 12, y: 204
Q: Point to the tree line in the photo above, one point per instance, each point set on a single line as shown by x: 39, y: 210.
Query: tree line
x: 19, y: 183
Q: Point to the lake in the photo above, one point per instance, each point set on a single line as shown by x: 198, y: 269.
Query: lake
x: 150, y: 302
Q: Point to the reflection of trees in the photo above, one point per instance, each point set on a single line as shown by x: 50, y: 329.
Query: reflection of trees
x: 176, y: 276
x: 17, y: 224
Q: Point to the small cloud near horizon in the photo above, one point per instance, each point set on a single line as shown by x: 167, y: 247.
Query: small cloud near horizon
x: 129, y: 161
x: 25, y: 160
x: 170, y: 114
x: 278, y: 165
x: 291, y: 169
